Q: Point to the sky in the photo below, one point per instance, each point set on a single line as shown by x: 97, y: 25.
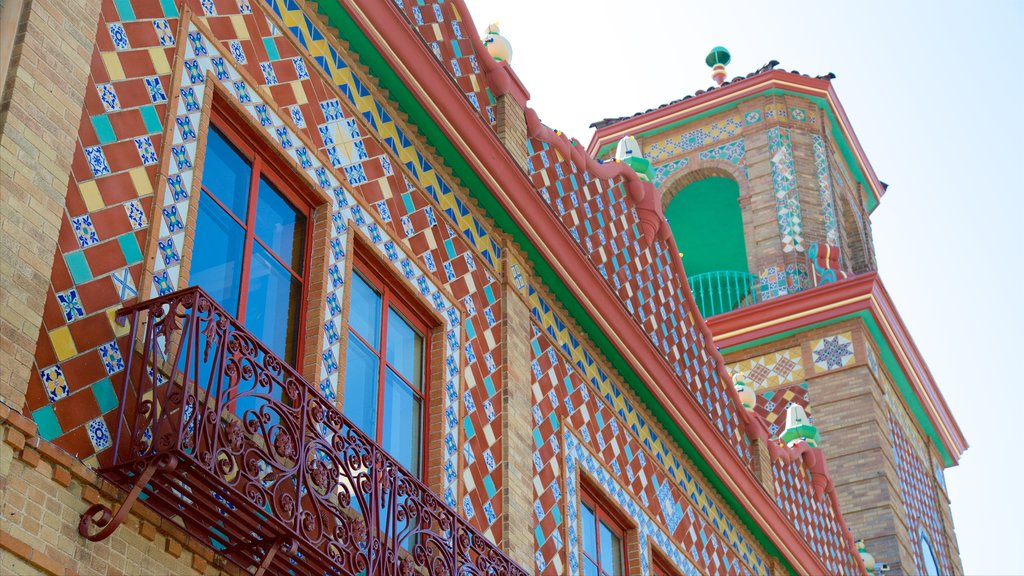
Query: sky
x: 935, y: 96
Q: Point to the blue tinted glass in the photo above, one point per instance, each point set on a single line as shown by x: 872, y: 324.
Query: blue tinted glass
x: 401, y: 422
x: 272, y: 311
x: 226, y: 174
x: 364, y: 311
x: 361, y: 386
x: 280, y: 226
x: 217, y: 255
x: 405, y: 349
x: 589, y: 535
x: 589, y: 568
x: 611, y: 551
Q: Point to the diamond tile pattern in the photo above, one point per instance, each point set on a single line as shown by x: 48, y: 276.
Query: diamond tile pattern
x: 134, y: 172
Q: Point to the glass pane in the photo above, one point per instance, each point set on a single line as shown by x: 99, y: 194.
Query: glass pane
x: 217, y: 255
x: 589, y: 538
x: 401, y: 422
x: 272, y: 313
x: 361, y: 386
x: 280, y: 226
x: 364, y: 311
x: 589, y: 568
x: 226, y: 174
x: 611, y: 551
x: 405, y: 349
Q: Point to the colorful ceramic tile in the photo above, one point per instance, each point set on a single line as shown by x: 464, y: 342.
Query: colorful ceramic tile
x: 833, y: 352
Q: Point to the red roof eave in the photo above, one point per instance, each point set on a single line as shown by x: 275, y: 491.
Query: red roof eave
x: 864, y: 292
x: 410, y: 59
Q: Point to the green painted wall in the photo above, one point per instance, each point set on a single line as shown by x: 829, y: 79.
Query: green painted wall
x: 708, y: 226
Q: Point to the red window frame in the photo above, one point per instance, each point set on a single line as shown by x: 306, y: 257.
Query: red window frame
x: 394, y: 294
x: 238, y: 134
x: 660, y: 565
x: 610, y: 517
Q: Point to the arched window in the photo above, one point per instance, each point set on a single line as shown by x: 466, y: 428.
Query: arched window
x: 707, y: 223
x: 931, y: 567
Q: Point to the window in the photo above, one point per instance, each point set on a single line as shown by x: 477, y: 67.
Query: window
x: 661, y: 566
x: 602, y: 543
x: 931, y: 567
x: 251, y: 245
x: 386, y: 363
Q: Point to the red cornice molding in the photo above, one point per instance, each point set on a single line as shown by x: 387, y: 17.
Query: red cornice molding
x: 410, y: 59
x: 732, y: 92
x: 864, y: 292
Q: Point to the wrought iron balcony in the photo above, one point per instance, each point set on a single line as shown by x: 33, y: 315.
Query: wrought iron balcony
x: 222, y: 437
x: 723, y: 291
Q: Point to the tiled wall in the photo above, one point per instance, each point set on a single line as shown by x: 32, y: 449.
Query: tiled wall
x: 131, y: 210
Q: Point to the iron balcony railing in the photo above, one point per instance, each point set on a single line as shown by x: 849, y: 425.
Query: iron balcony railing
x: 219, y: 435
x: 723, y: 291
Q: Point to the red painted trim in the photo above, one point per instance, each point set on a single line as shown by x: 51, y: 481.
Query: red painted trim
x: 409, y: 57
x: 866, y: 292
x: 394, y: 294
x: 607, y: 513
x: 735, y: 91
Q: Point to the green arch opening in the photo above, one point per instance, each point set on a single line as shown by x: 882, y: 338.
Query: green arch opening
x: 707, y: 223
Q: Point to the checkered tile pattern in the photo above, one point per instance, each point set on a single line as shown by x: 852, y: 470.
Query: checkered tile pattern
x: 440, y: 26
x: 658, y: 490
x: 772, y: 405
x: 814, y: 518
x: 821, y: 166
x: 602, y: 220
x: 772, y: 370
x: 920, y: 499
x: 676, y: 145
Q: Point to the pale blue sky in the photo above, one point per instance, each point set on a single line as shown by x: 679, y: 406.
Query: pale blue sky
x: 934, y: 92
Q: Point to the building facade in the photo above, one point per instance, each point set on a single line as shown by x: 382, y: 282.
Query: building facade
x: 308, y: 288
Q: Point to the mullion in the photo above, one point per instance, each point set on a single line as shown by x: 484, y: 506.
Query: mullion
x: 382, y: 371
x: 403, y: 378
x: 250, y: 221
x: 223, y: 207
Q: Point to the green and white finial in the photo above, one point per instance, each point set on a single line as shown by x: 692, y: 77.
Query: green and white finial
x: 866, y: 558
x: 799, y: 427
x: 748, y: 398
x: 628, y: 152
x: 717, y: 60
x: 497, y: 45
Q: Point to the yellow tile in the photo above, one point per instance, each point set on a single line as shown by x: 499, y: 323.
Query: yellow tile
x: 143, y: 187
x: 240, y: 29
x: 63, y: 345
x: 113, y: 65
x: 118, y: 329
x: 300, y: 94
x: 91, y: 195
x: 159, y: 58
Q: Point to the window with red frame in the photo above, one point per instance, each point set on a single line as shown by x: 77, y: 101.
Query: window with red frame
x: 660, y: 566
x: 386, y: 364
x: 251, y: 243
x: 603, y: 542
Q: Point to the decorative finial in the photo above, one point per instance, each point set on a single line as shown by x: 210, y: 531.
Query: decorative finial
x: 628, y: 151
x: 497, y: 45
x: 799, y: 427
x: 717, y: 60
x: 748, y: 398
x: 866, y: 558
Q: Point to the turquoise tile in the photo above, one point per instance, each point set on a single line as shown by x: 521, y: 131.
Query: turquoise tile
x: 124, y: 10
x: 468, y: 425
x: 170, y: 9
x: 46, y: 420
x: 151, y: 119
x: 104, y: 131
x: 271, y: 47
x: 489, y: 384
x: 78, y: 267
x: 130, y: 247
x: 106, y: 399
x: 489, y: 486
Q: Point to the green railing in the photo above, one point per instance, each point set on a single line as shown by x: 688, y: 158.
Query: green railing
x: 723, y: 291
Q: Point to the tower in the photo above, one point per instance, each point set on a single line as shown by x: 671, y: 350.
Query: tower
x: 769, y: 196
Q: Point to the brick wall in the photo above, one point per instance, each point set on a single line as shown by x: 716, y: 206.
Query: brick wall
x: 39, y: 117
x: 45, y: 491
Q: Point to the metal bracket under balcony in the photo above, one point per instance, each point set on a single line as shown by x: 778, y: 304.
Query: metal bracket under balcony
x: 223, y: 438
